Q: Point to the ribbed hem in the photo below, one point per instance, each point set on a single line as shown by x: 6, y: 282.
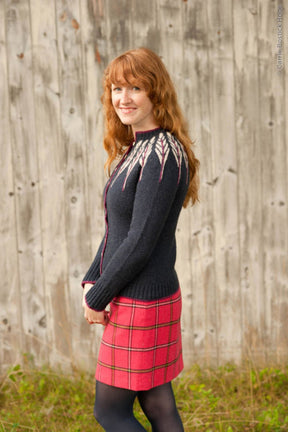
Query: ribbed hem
x: 98, y: 298
x: 150, y: 291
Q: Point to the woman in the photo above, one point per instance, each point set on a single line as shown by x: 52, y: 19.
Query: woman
x: 133, y: 269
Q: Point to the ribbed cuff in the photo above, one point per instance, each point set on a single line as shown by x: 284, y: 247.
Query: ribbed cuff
x: 97, y: 297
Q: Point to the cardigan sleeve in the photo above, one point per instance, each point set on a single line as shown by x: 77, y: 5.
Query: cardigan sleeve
x: 94, y: 270
x: 155, y: 193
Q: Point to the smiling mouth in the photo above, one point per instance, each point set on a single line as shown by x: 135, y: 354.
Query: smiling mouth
x: 127, y: 110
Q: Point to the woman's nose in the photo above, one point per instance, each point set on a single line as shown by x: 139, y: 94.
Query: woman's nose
x: 125, y: 96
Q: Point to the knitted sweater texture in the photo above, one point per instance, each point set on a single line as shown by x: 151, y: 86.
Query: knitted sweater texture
x: 142, y: 202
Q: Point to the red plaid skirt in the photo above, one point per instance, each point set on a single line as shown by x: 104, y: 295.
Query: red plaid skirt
x: 141, y: 346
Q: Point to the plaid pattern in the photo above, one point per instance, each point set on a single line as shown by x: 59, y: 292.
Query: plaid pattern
x: 141, y: 346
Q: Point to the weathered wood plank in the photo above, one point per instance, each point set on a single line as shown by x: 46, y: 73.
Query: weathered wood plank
x: 144, y: 25
x: 73, y: 136
x: 51, y: 160
x: 118, y: 28
x: 274, y: 183
x: 284, y: 71
x: 249, y: 148
x: 170, y: 24
x: 94, y: 52
x: 171, y: 31
x: 10, y: 298
x: 26, y: 178
x: 224, y: 162
x: 196, y: 99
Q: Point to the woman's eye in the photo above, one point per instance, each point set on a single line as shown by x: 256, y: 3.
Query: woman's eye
x: 136, y: 88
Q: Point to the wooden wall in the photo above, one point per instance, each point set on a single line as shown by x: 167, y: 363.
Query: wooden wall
x: 232, y: 247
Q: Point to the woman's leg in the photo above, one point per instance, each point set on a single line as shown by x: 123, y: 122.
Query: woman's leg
x: 113, y: 409
x: 160, y: 408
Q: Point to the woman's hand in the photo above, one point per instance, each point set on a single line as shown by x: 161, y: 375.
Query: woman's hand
x: 92, y: 316
x: 95, y: 317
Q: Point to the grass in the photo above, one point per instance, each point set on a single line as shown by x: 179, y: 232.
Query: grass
x: 227, y: 399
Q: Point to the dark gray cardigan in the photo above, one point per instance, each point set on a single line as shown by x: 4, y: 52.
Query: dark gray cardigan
x: 142, y: 201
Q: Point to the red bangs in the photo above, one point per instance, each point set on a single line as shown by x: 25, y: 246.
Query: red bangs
x: 123, y: 71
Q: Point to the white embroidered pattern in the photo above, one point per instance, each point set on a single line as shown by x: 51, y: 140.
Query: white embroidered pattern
x: 163, y: 144
x: 162, y: 150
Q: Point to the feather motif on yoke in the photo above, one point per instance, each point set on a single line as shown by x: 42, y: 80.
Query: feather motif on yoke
x: 162, y: 145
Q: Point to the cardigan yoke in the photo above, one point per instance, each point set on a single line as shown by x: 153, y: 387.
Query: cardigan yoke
x: 142, y: 202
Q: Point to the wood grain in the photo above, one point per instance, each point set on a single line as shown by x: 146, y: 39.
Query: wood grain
x: 232, y: 246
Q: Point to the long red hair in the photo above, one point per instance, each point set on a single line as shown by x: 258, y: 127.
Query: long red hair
x: 143, y: 67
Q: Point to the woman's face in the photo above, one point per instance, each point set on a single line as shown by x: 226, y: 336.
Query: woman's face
x: 133, y: 107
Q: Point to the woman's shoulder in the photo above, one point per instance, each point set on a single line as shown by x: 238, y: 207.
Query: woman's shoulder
x: 159, y: 142
x: 163, y: 145
x: 160, y: 151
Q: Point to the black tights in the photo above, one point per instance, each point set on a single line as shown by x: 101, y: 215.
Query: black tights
x: 114, y: 409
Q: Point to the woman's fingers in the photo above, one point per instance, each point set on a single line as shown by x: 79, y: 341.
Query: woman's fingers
x: 96, y: 317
